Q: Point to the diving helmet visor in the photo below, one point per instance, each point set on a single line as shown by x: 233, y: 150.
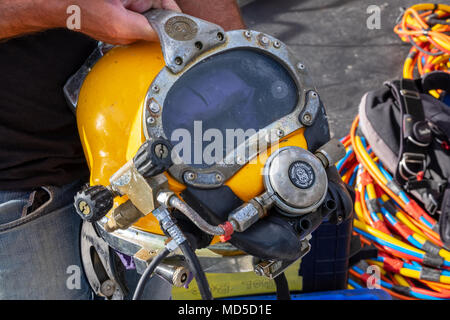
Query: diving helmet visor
x: 241, y: 88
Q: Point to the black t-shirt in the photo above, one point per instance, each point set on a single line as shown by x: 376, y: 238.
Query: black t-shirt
x: 39, y: 141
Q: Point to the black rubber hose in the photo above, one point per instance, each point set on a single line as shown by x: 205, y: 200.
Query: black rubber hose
x: 282, y: 285
x: 196, y: 269
x: 148, y: 272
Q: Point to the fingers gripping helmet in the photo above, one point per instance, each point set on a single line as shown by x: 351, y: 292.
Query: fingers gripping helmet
x: 214, y: 141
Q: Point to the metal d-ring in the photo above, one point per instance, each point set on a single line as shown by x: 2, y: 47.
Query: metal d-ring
x: 403, y: 166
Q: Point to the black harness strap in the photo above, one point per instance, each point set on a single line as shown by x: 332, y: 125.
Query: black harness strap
x: 415, y: 136
x: 416, y: 166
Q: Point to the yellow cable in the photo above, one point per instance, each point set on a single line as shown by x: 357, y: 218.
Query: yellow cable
x: 385, y: 237
x: 410, y: 273
x: 445, y: 279
x: 443, y: 253
x: 416, y: 275
x: 400, y: 216
x: 371, y: 191
x: 368, y: 161
x: 401, y: 280
x: 358, y: 211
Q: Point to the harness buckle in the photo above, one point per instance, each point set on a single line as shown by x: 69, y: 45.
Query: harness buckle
x: 410, y: 94
x: 431, y: 204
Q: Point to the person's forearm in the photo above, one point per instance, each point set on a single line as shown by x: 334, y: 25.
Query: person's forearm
x: 225, y: 13
x: 108, y: 20
x: 18, y: 17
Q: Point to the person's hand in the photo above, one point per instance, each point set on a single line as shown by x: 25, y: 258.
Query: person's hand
x: 119, y: 21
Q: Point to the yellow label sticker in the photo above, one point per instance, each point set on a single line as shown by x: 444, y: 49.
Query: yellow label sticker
x: 225, y: 285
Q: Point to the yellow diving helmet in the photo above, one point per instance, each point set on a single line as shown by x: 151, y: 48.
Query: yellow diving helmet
x: 210, y: 141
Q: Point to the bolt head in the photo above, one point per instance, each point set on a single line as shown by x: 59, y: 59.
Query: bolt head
x: 247, y: 34
x: 154, y: 107
x: 300, y: 66
x: 178, y: 61
x: 151, y: 121
x: 307, y: 117
x: 264, y: 40
x: 277, y: 44
x: 155, y: 89
x: 220, y: 36
x: 190, y: 176
x: 108, y: 287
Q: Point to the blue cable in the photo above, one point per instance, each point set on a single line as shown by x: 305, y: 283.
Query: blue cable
x: 363, y: 141
x: 358, y: 270
x: 416, y: 263
x: 414, y: 242
x: 395, y: 247
x: 386, y: 174
x: 344, y: 171
x: 426, y: 222
x: 423, y: 296
x: 419, y: 268
x: 388, y: 216
x: 412, y: 267
x: 342, y: 161
x: 351, y: 182
x: 390, y: 245
x: 354, y: 284
x: 386, y: 284
x: 393, y: 221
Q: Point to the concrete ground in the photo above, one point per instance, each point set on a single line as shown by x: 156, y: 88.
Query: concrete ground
x: 344, y: 57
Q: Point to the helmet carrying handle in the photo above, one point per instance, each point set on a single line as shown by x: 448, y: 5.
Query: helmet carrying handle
x: 183, y: 37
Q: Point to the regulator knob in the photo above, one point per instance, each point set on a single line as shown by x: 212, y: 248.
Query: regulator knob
x: 93, y: 203
x: 153, y: 158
